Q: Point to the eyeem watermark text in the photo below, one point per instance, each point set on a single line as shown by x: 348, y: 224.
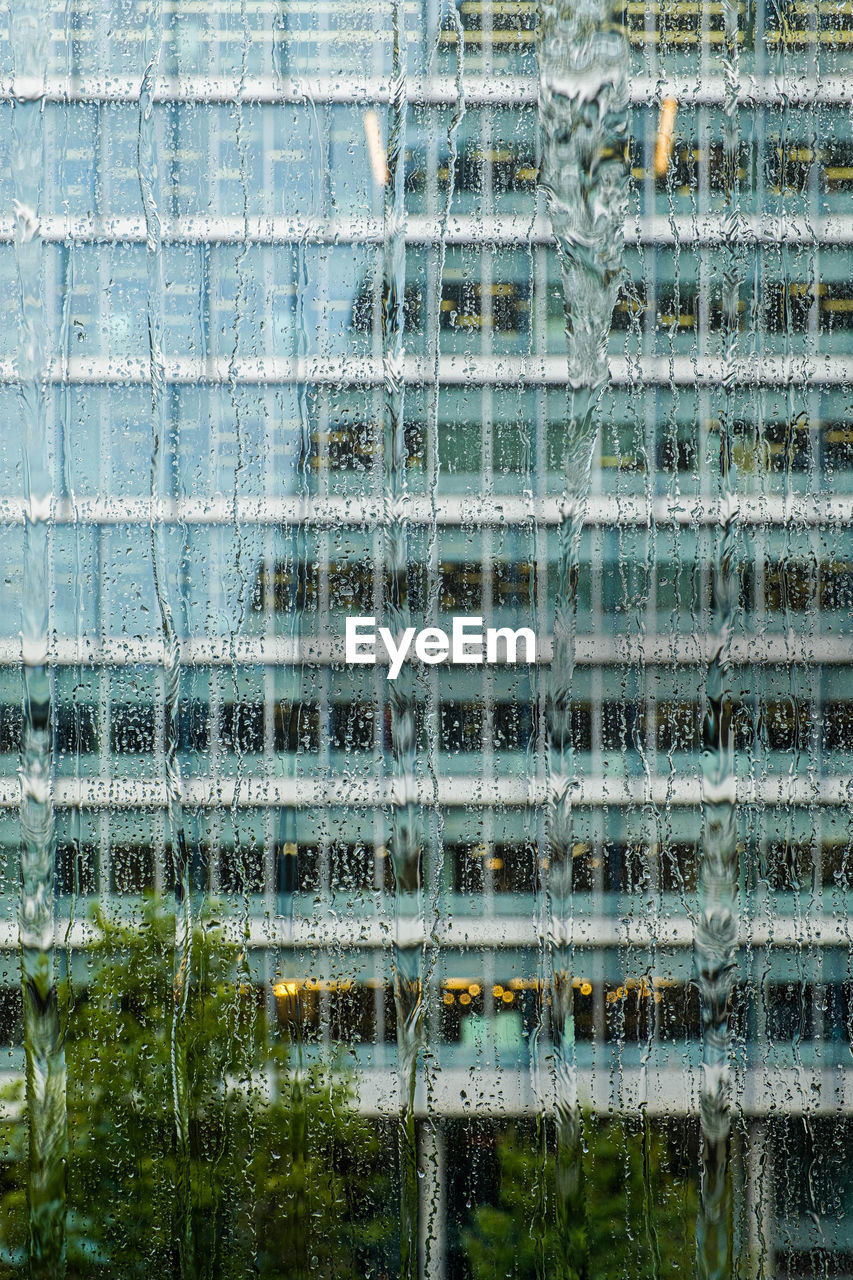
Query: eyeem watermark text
x: 468, y: 642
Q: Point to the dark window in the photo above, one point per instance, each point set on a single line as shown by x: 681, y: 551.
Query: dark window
x: 837, y: 446
x: 461, y: 586
x: 352, y: 1013
x: 512, y: 168
x: 515, y: 24
x: 241, y: 727
x: 636, y: 868
x: 132, y: 729
x: 514, y: 725
x: 678, y: 452
x: 799, y: 586
x: 11, y: 1016
x: 291, y: 586
x: 677, y: 726
x: 788, y: 167
x: 630, y: 306
x: 837, y: 1012
x: 678, y: 867
x: 348, y: 447
x: 790, y: 586
x: 513, y: 868
x: 467, y: 864
x: 351, y: 866
x: 297, y: 726
x: 787, y: 445
x: 514, y: 584
x: 350, y: 583
x: 837, y: 161
x: 242, y: 870
x: 297, y: 868
x: 131, y: 868
x: 786, y: 726
x: 76, y: 729
x: 461, y: 726
x: 11, y: 723
x: 789, y: 866
x: 630, y: 1009
x: 835, y: 581
x: 838, y: 726
x: 617, y: 726
x: 680, y: 311
x: 353, y: 726
x: 789, y: 1011
x: 76, y: 869
x: 678, y: 1013
x: 362, y: 307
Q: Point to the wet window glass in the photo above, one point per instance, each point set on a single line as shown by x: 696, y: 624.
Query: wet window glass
x: 426, y: 719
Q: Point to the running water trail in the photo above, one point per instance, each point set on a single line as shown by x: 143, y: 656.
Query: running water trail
x: 583, y: 109
x: 147, y: 171
x: 716, y: 929
x: 434, y: 580
x: 432, y: 1227
x: 406, y: 843
x: 43, y: 1040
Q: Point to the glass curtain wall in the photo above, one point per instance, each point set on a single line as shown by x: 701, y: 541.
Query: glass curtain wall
x: 533, y: 312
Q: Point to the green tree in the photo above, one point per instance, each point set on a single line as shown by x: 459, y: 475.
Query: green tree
x: 284, y: 1179
x: 638, y: 1222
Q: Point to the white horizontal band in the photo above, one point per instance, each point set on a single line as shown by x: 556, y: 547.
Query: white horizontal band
x: 479, y: 91
x: 320, y: 791
x: 504, y: 230
x: 652, y: 1090
x: 590, y: 651
x: 707, y: 372
x: 763, y: 927
x: 360, y: 511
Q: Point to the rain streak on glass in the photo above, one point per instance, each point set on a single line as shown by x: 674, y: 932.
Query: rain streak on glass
x: 528, y: 317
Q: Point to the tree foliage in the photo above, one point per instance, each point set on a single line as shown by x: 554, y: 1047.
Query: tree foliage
x: 284, y: 1180
x: 638, y: 1218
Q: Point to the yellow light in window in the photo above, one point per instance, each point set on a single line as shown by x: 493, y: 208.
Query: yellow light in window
x: 665, y: 136
x: 449, y: 997
x: 474, y: 989
x: 497, y: 991
x: 586, y: 988
x: 282, y: 989
x: 464, y: 998
x: 508, y: 997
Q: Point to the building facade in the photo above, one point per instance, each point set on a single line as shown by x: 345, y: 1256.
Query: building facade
x: 243, y: 220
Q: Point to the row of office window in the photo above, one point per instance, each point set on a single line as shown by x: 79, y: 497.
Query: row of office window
x: 108, y: 301
x: 633, y: 1010
x: 501, y: 36
x: 786, y: 308
x: 796, y: 445
x: 791, y: 584
x: 495, y: 168
x: 781, y: 725
x: 468, y: 869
